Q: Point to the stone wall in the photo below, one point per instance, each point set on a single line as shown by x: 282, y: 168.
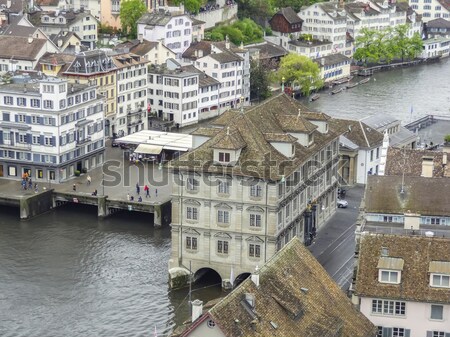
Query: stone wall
x: 37, y: 204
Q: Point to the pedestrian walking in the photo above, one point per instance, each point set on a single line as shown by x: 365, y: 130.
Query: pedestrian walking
x: 36, y: 190
x: 138, y: 189
x: 156, y: 191
x: 30, y: 184
x: 88, y: 178
x: 24, y: 184
x: 147, y: 191
x: 74, y: 187
x: 128, y: 196
x: 140, y: 199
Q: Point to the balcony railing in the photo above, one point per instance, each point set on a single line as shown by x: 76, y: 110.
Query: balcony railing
x: 83, y: 141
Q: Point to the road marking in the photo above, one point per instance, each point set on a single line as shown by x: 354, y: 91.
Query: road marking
x: 351, y: 227
x: 342, y: 266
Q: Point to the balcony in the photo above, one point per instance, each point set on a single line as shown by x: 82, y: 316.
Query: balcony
x: 81, y: 142
x: 136, y: 122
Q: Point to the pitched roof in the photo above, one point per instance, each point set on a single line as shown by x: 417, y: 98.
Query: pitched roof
x: 62, y: 59
x: 157, y: 18
x: 47, y: 2
x: 231, y: 140
x: 18, y: 30
x: 409, y: 162
x: 268, y: 50
x: 192, y: 51
x: 71, y: 17
x: 445, y: 4
x: 295, y: 297
x: 309, y: 44
x: 438, y: 23
x: 137, y: 47
x: 91, y: 62
x: 331, y: 59
x: 203, y: 79
x: 359, y: 133
x: 16, y: 6
x: 257, y: 126
x: 418, y: 254
x: 17, y: 47
x: 64, y: 36
x: 290, y: 15
x: 226, y: 57
x: 420, y: 195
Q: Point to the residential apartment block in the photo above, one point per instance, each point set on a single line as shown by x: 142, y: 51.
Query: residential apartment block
x: 257, y: 178
x: 49, y: 128
x: 403, y: 284
x: 431, y: 9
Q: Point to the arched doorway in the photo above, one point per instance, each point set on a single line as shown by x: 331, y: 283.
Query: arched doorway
x: 207, y: 277
x: 240, y: 278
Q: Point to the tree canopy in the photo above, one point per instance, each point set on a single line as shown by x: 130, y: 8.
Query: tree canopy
x: 387, y: 45
x: 130, y: 12
x: 299, y: 70
x: 259, y: 80
x: 192, y: 6
x: 246, y: 31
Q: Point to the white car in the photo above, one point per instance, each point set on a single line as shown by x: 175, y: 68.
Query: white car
x: 342, y: 203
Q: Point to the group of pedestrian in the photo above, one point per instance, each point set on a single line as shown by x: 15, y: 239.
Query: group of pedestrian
x: 138, y: 192
x: 27, y: 183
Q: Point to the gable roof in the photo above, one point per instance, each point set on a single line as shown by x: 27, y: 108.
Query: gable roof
x: 289, y: 14
x: 158, y: 18
x: 359, y: 133
x: 91, y: 62
x: 16, y: 6
x: 420, y: 195
x: 62, y: 59
x: 137, y: 47
x: 295, y: 297
x: 268, y: 50
x: 418, y: 254
x: 409, y: 162
x: 257, y: 126
x: 445, y: 4
x: 71, y: 17
x: 18, y: 47
x: 438, y: 23
x: 331, y: 59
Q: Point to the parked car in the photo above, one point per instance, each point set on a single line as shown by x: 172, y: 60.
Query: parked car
x: 342, y: 203
x: 114, y: 143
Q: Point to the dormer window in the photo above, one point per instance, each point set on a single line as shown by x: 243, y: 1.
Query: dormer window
x: 224, y: 157
x: 439, y: 274
x: 390, y: 269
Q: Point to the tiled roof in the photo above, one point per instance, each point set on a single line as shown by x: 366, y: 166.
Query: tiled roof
x: 137, y: 47
x: 425, y: 196
x: 290, y: 15
x: 18, y: 30
x: 155, y: 19
x: 231, y: 140
x: 280, y: 137
x: 417, y: 252
x: 127, y: 59
x: 295, y: 297
x: 62, y: 59
x: 47, y: 2
x: 70, y: 16
x: 438, y: 23
x: 268, y: 50
x: 91, y: 62
x: 359, y: 133
x: 16, y: 6
x: 332, y: 59
x: 445, y: 4
x: 333, y: 10
x: 192, y: 51
x: 409, y: 162
x: 63, y: 36
x: 277, y: 115
x: 207, y: 132
x: 226, y: 57
x: 309, y: 44
x: 204, y: 80
x: 19, y: 48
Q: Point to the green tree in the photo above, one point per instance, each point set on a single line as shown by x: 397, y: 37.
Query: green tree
x: 447, y: 138
x: 259, y: 80
x: 246, y: 31
x: 300, y: 70
x: 365, y: 46
x: 192, y: 6
x: 257, y: 10
x: 130, y: 12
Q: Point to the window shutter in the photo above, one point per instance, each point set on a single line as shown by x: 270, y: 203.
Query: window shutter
x: 41, y: 140
x: 407, y: 332
x: 53, y: 141
x: 54, y: 162
x: 429, y: 333
x: 39, y: 120
x: 60, y: 140
x: 1, y: 137
x: 53, y: 121
x: 67, y: 138
x: 17, y: 137
x: 36, y: 157
x: 28, y: 156
x: 387, y: 332
x: 29, y: 138
x: 28, y: 119
x: 16, y: 118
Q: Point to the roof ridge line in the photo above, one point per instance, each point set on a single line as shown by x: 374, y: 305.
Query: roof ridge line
x: 364, y: 133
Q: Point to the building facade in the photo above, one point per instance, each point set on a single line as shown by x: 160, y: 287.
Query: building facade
x: 431, y: 9
x: 50, y: 129
x: 232, y: 207
x: 403, y: 284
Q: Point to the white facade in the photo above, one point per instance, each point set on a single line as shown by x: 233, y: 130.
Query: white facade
x: 175, y: 32
x: 50, y: 129
x: 430, y: 9
x: 438, y: 46
x: 312, y: 50
x: 131, y: 88
x: 368, y: 163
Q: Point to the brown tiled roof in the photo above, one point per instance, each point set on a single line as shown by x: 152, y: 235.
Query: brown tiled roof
x: 47, y: 2
x: 207, y: 132
x: 295, y: 295
x: 231, y: 140
x: 277, y: 115
x: 359, y: 133
x: 409, y: 162
x: 445, y: 4
x: 203, y: 79
x: 280, y: 137
x: 62, y: 59
x: 17, y: 47
x: 204, y: 46
x: 417, y: 252
x: 136, y: 47
x: 438, y: 23
x: 226, y: 57
x: 16, y: 6
x: 426, y: 196
x: 290, y: 15
x: 268, y: 50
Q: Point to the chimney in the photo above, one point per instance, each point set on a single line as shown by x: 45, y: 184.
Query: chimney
x: 8, y: 4
x: 60, y: 43
x: 197, y: 310
x: 227, y: 42
x: 77, y: 48
x: 30, y: 39
x: 255, y: 277
x: 141, y: 38
x: 427, y: 167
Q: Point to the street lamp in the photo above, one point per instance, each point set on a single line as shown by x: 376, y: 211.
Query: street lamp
x: 282, y: 84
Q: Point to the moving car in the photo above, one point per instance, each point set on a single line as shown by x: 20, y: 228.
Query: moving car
x: 114, y: 143
x: 342, y: 203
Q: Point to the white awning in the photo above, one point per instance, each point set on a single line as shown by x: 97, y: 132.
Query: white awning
x: 148, y: 149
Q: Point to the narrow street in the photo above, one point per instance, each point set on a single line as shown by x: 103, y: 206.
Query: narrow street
x: 334, y: 246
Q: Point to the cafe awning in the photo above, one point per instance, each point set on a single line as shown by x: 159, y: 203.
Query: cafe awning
x: 148, y: 149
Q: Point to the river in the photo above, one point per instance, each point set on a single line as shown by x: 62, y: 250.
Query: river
x: 66, y: 273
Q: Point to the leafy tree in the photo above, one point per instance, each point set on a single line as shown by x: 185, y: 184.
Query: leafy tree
x: 365, y: 46
x: 447, y: 138
x: 257, y: 10
x: 246, y: 31
x: 130, y: 12
x: 192, y: 6
x: 300, y: 70
x: 259, y: 80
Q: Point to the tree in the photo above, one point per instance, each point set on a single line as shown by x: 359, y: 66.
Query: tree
x: 130, y: 13
x: 257, y: 10
x: 246, y: 31
x: 300, y: 70
x: 259, y: 80
x: 447, y: 138
x: 192, y: 6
